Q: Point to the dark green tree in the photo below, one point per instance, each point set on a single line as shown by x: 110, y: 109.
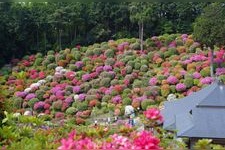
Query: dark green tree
x: 209, y: 28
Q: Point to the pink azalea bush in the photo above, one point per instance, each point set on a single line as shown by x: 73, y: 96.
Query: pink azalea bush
x: 206, y: 80
x: 180, y: 87
x: 137, y: 140
x: 172, y: 80
x: 153, y: 81
x: 153, y: 114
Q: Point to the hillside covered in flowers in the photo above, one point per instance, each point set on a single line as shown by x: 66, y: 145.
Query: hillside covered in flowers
x: 72, y: 86
x: 108, y: 76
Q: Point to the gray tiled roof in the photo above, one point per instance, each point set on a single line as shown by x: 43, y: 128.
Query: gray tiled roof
x: 201, y: 114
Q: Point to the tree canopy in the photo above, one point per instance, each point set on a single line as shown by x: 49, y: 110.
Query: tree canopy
x: 28, y: 28
x: 209, y: 27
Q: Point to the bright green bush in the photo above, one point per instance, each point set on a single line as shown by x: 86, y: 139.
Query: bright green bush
x: 137, y: 66
x: 126, y: 101
x: 188, y: 82
x: 38, y: 61
x: 146, y: 103
x: 110, y: 53
x: 32, y: 102
x: 71, y: 111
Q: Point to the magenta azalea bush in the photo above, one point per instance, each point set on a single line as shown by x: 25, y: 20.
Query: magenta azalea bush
x: 136, y: 140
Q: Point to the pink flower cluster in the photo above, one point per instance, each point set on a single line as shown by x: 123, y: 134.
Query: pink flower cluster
x: 206, y: 80
x: 196, y: 75
x: 71, y: 143
x: 107, y: 68
x: 21, y: 94
x: 121, y: 46
x: 140, y: 140
x: 30, y: 96
x: 172, y: 80
x: 118, y: 142
x: 117, y: 99
x: 39, y: 105
x: 79, y: 64
x: 153, y: 114
x: 76, y: 89
x: 198, y: 57
x: 70, y: 75
x: 220, y: 71
x: 86, y: 77
x: 181, y: 87
x: 145, y: 140
x: 153, y: 81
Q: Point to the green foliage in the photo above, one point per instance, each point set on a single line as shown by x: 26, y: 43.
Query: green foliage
x: 32, y: 102
x: 144, y: 68
x: 126, y: 101
x: 146, y: 103
x: 203, y: 144
x: 51, y: 66
x: 209, y: 26
x: 71, y: 110
x: 129, y: 69
x: 205, y: 72
x: 137, y: 84
x: 109, y: 53
x: 188, y: 82
x: 38, y: 62
x: 81, y: 105
x: 110, y: 61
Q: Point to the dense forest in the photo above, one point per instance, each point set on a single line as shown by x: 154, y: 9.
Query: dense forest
x: 28, y: 28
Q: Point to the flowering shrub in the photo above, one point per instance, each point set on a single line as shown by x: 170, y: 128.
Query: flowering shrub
x: 145, y: 140
x: 180, y: 87
x: 153, y: 81
x: 153, y: 114
x: 140, y: 140
x: 206, y: 80
x: 172, y: 80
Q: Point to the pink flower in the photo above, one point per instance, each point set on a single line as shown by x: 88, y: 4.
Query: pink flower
x: 79, y: 64
x: 69, y: 100
x: 153, y: 81
x: 172, y: 80
x: 39, y: 105
x: 30, y: 96
x: 86, y: 77
x: 41, y: 75
x: 21, y: 94
x: 107, y: 68
x: 220, y: 71
x: 172, y: 44
x: 180, y: 87
x: 145, y: 140
x: 82, y: 97
x: 70, y: 75
x: 76, y: 89
x: 153, y: 114
x: 117, y: 99
x: 206, y: 80
x: 196, y: 75
x: 99, y: 69
x: 67, y: 144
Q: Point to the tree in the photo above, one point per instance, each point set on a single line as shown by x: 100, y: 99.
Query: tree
x: 141, y: 12
x: 209, y: 28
